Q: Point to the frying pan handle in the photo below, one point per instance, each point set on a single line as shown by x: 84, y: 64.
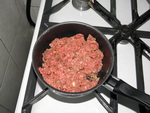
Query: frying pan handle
x: 120, y: 87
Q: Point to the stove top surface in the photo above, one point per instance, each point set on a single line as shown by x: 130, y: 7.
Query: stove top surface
x: 126, y: 65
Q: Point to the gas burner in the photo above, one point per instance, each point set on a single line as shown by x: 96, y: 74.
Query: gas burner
x: 81, y: 5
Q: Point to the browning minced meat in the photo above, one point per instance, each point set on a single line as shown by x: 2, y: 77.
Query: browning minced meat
x: 71, y: 64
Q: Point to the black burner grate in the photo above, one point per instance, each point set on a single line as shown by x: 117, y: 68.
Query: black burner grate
x: 121, y: 34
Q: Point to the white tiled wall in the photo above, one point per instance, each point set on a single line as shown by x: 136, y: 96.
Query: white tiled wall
x: 4, y: 57
x: 9, y: 22
x: 15, y: 37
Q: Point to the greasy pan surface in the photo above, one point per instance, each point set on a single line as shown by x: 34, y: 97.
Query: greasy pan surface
x: 68, y: 29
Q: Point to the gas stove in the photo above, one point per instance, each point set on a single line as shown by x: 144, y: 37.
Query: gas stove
x: 127, y: 26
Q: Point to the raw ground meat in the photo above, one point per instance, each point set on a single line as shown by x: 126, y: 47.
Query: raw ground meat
x: 71, y: 64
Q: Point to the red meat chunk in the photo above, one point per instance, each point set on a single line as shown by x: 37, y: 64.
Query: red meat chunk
x: 71, y: 64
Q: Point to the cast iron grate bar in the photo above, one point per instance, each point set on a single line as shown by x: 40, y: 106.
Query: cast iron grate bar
x: 113, y: 97
x: 124, y: 33
x: 141, y: 20
x: 134, y: 10
x: 139, y: 68
x: 143, y: 34
x: 113, y: 7
x: 29, y: 90
x: 138, y: 21
x: 138, y: 48
x: 104, y: 103
x: 36, y: 98
x: 105, y: 14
